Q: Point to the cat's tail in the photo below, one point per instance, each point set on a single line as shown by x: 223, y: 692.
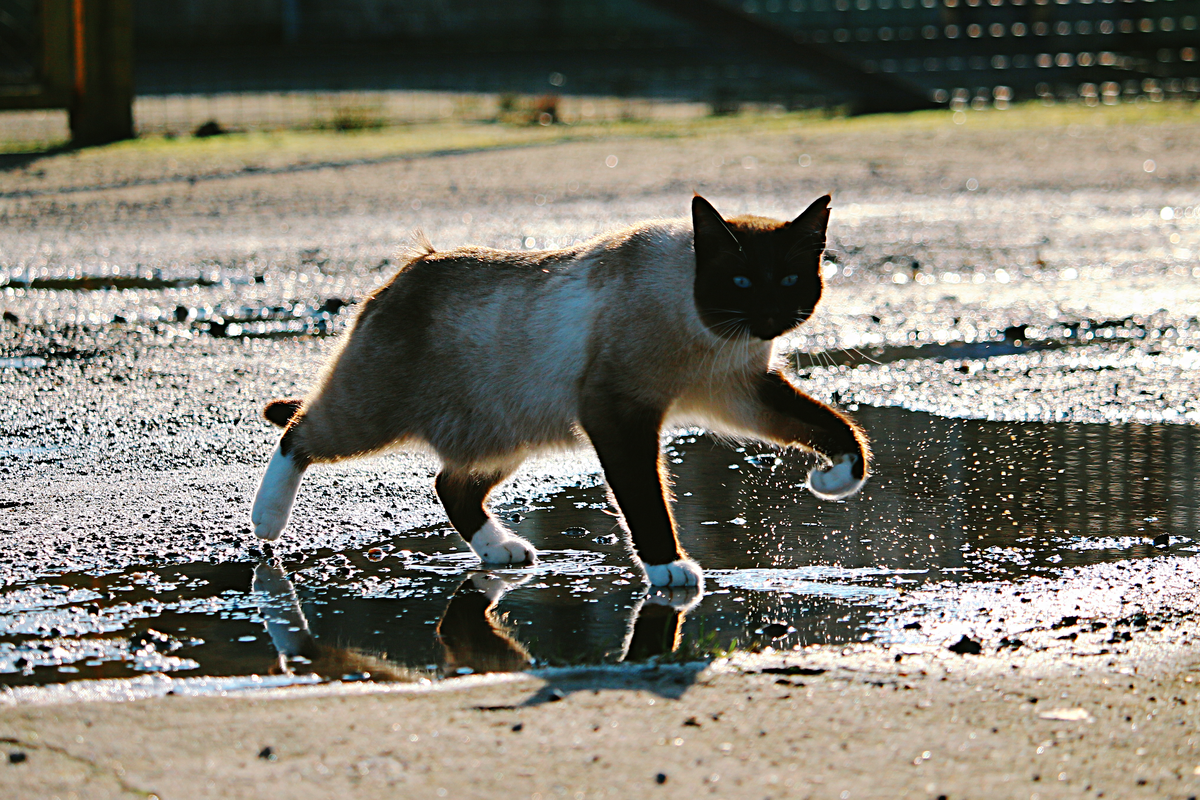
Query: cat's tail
x: 280, y: 412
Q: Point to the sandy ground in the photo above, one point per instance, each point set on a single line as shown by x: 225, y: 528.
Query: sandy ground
x: 851, y: 723
x: 142, y: 446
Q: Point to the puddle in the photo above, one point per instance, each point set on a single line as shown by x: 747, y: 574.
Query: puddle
x: 1014, y: 340
x: 294, y: 319
x: 23, y: 362
x: 94, y: 283
x: 956, y: 508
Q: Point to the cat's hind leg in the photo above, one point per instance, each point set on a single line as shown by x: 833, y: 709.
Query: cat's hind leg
x: 463, y: 493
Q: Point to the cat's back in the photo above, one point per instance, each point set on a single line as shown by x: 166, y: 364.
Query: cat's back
x: 486, y: 351
x: 500, y: 299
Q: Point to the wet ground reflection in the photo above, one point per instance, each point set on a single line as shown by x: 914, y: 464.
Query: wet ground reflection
x: 952, y: 501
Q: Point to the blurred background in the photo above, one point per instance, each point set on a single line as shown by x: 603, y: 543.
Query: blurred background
x: 101, y: 70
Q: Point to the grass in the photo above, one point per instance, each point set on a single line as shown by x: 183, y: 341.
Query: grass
x: 283, y: 148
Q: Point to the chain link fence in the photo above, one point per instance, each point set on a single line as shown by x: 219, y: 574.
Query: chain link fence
x: 212, y: 66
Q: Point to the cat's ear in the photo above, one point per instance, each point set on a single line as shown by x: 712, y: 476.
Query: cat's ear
x: 816, y: 216
x: 713, y: 238
x: 808, y: 229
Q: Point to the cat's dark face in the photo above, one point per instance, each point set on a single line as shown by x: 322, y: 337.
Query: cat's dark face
x: 757, y: 277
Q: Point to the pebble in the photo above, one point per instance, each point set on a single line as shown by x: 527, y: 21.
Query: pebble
x: 966, y: 646
x: 17, y: 757
x: 773, y: 630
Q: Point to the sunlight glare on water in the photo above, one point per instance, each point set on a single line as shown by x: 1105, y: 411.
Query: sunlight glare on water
x: 952, y: 503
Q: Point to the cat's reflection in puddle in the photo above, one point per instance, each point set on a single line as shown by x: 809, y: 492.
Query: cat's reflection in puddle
x: 299, y: 651
x: 474, y: 637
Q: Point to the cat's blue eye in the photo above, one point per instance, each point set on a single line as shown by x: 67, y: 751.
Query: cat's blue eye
x: 790, y: 280
x: 741, y: 281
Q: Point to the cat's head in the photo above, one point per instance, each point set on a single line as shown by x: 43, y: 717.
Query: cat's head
x: 757, y: 277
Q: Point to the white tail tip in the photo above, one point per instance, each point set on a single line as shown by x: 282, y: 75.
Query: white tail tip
x: 276, y: 494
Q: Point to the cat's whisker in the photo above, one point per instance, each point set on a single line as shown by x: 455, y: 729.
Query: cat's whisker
x: 863, y: 355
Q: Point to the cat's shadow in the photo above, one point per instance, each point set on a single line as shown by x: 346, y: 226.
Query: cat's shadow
x: 476, y: 639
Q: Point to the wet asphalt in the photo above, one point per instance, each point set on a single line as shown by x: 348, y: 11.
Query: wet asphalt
x: 1039, y: 273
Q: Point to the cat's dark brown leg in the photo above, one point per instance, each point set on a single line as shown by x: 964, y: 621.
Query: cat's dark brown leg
x: 795, y: 418
x: 626, y: 440
x: 463, y: 494
x: 788, y: 416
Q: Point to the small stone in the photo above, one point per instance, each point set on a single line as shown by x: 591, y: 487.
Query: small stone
x: 773, y: 630
x: 966, y: 646
x: 375, y: 554
x: 660, y: 778
x: 691, y: 722
x: 1162, y: 540
x: 17, y: 757
x: 151, y: 639
x: 268, y: 754
x: 556, y: 695
x: 520, y: 726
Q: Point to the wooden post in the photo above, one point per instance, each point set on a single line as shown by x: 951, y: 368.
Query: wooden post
x: 102, y: 74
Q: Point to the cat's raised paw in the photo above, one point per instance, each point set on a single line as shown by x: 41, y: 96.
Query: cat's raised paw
x: 495, y: 544
x: 676, y: 573
x: 841, y: 480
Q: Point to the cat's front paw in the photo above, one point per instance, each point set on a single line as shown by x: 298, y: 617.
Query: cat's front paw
x: 841, y: 480
x: 677, y: 573
x: 495, y: 544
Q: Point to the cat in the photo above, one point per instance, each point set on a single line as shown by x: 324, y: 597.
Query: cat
x: 488, y: 356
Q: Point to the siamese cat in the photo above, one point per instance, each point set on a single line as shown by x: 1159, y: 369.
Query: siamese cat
x: 488, y: 356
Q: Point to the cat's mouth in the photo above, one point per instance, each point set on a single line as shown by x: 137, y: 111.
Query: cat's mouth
x: 770, y: 328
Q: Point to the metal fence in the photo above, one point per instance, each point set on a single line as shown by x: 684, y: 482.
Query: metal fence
x: 379, y: 62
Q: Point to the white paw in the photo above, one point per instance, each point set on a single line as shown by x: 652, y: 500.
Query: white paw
x: 495, y: 544
x: 838, y: 481
x: 677, y: 573
x: 276, y: 494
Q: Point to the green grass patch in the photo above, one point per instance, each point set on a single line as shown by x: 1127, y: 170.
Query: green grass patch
x: 362, y: 141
